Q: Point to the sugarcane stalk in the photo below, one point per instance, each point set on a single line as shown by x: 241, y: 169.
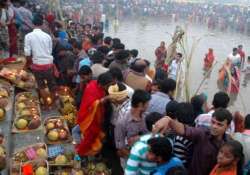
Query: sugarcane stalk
x: 205, y: 77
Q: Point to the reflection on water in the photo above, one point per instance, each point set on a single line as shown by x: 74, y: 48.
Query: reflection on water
x: 146, y: 34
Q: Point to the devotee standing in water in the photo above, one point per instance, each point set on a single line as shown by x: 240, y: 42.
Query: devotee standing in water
x: 208, y: 60
x: 161, y: 54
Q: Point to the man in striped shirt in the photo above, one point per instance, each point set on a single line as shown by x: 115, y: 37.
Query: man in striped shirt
x: 137, y: 163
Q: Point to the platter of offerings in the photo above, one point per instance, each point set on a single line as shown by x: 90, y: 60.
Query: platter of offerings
x: 67, y: 105
x: 2, y: 153
x: 59, y: 156
x: 5, y: 91
x: 14, y: 63
x: 96, y: 169
x: 56, y: 131
x: 20, y: 78
x: 68, y: 171
x: 35, y: 167
x: 27, y: 113
x: 29, y: 153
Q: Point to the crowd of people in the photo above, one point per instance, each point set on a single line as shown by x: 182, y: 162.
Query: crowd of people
x: 223, y: 17
x: 127, y: 111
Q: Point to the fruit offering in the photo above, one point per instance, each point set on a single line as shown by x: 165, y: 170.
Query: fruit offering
x: 2, y: 158
x: 67, y: 105
x: 37, y: 167
x: 97, y: 169
x: 56, y: 131
x: 4, y: 95
x: 20, y: 78
x: 67, y: 171
x: 2, y: 113
x: 32, y: 152
x: 27, y: 110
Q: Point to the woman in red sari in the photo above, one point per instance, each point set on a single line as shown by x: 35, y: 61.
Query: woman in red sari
x: 91, y: 115
x: 209, y: 59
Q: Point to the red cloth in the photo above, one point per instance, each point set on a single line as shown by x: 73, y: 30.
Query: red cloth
x: 45, y: 67
x: 242, y: 54
x: 208, y: 60
x: 12, y: 38
x: 89, y: 119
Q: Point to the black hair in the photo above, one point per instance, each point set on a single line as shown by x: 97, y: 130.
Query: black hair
x: 180, y: 54
x: 151, y: 119
x: 147, y: 62
x: 107, y: 40
x: 167, y: 85
x: 235, y: 49
x: 134, y: 52
x: 38, y: 20
x: 140, y: 96
x: 117, y: 74
x: 3, y: 3
x: 247, y: 121
x: 104, y: 49
x: 171, y: 109
x: 121, y: 86
x: 197, y: 102
x: 176, y: 171
x: 122, y: 55
x: 118, y: 46
x: 105, y: 79
x: 85, y: 70
x: 162, y: 147
x: 97, y: 57
x: 237, y: 151
x: 240, y: 45
x: 221, y: 100
x: 116, y: 41
x: 185, y: 113
x: 222, y: 114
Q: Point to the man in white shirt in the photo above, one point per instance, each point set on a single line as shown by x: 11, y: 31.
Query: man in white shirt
x: 235, y: 58
x: 38, y: 50
x: 175, y: 66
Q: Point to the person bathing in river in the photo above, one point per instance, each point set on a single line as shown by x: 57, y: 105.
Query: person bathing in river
x: 208, y: 60
x: 161, y: 54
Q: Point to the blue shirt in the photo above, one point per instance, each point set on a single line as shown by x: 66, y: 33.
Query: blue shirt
x: 163, y: 169
x: 158, y: 103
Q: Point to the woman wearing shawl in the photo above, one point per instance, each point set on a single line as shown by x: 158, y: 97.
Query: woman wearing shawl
x: 229, y: 80
x: 91, y: 115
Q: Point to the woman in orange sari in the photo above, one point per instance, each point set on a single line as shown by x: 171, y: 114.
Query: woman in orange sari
x: 91, y: 115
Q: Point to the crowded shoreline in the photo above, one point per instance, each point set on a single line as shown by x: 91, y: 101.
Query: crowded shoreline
x: 74, y: 100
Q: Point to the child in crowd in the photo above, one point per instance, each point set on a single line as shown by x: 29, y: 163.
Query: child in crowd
x: 161, y: 152
x: 230, y: 159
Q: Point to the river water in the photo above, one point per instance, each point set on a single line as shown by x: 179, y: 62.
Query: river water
x: 146, y: 34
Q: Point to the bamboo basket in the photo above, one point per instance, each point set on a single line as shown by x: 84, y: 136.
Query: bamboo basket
x: 64, y: 126
x: 13, y: 76
x: 35, y: 105
x: 18, y: 65
x: 23, y: 149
